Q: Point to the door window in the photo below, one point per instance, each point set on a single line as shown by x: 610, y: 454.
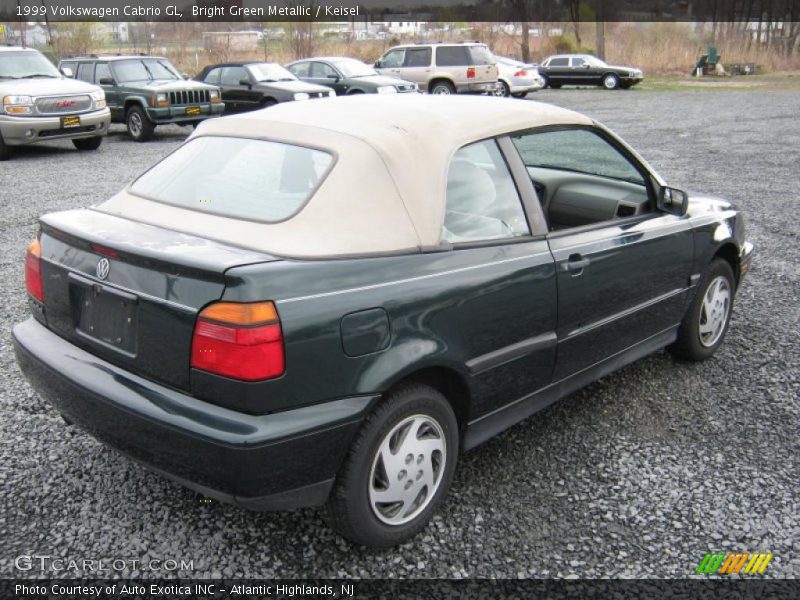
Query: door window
x: 86, y: 72
x: 418, y: 57
x: 578, y: 62
x: 302, y: 69
x: 322, y: 71
x: 102, y: 71
x: 393, y: 59
x: 558, y: 62
x: 233, y: 75
x: 482, y: 200
x: 452, y: 56
x: 213, y: 76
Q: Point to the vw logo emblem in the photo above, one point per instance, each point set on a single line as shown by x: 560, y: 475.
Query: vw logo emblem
x: 103, y: 267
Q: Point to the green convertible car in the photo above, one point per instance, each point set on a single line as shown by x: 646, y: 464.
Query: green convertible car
x: 259, y: 320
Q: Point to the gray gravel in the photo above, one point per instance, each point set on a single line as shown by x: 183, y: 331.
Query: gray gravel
x: 637, y: 475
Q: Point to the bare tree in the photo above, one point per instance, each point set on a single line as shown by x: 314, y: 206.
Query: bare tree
x: 575, y: 17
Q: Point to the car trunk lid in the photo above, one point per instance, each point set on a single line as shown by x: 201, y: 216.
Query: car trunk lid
x: 130, y: 292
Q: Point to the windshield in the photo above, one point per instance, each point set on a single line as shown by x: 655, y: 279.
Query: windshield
x: 354, y: 68
x: 140, y: 70
x: 236, y: 177
x: 270, y: 72
x: 26, y: 65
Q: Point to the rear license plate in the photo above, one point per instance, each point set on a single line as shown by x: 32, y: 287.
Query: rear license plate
x: 67, y: 122
x: 192, y: 110
x: 104, y: 315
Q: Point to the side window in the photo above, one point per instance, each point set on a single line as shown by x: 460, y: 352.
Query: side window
x: 578, y: 62
x: 418, y: 57
x: 452, y: 56
x: 86, y: 72
x: 301, y: 69
x: 393, y: 59
x: 233, y: 75
x: 482, y: 200
x: 558, y: 62
x: 213, y: 76
x: 321, y: 70
x: 102, y: 71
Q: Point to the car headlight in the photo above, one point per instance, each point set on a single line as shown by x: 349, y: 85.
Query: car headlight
x: 160, y: 99
x: 214, y: 96
x: 18, y: 105
x: 387, y: 89
x: 332, y: 94
x: 301, y: 96
x: 99, y: 98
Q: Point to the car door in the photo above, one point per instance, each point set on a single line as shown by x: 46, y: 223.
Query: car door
x: 237, y: 93
x: 623, y: 267
x: 581, y: 72
x: 392, y: 63
x: 503, y: 283
x: 558, y: 71
x: 416, y: 66
x: 105, y: 79
x: 323, y: 73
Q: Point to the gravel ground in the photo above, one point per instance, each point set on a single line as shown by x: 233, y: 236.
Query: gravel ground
x: 637, y: 475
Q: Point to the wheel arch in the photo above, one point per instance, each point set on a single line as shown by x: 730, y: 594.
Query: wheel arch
x: 135, y: 101
x: 440, y: 78
x: 729, y: 252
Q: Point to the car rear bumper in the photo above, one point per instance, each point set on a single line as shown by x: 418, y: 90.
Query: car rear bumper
x: 177, y: 114
x: 477, y: 88
x: 269, y: 462
x: 19, y: 131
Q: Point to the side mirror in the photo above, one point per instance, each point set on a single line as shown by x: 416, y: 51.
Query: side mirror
x: 67, y: 72
x: 673, y: 201
x: 106, y: 81
x: 333, y: 77
x: 244, y: 82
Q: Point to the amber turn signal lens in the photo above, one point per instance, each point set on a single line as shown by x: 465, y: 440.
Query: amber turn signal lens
x: 243, y: 314
x: 33, y: 271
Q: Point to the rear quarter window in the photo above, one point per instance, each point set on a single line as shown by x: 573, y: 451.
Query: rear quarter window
x: 236, y: 177
x: 481, y: 55
x: 452, y: 56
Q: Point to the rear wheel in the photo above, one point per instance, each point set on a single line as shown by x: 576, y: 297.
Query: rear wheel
x: 92, y: 143
x: 555, y: 86
x: 398, y: 470
x: 140, y: 128
x: 611, y: 81
x: 268, y: 102
x: 706, y: 322
x: 520, y: 94
x: 502, y: 90
x: 5, y: 151
x: 442, y: 88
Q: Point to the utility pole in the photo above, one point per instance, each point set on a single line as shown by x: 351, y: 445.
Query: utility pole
x: 600, y: 28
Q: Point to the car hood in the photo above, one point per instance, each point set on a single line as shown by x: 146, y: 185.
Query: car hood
x: 379, y: 80
x: 293, y: 86
x: 168, y: 85
x: 703, y: 204
x: 46, y: 87
x: 619, y: 68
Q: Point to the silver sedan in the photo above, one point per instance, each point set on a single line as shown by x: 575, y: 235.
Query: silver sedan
x: 517, y: 78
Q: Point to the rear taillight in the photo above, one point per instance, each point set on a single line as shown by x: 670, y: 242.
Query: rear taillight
x: 239, y: 340
x: 33, y: 271
x: 470, y: 72
x: 522, y: 73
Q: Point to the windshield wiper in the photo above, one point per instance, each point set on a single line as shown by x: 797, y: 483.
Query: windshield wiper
x: 31, y: 76
x: 286, y: 79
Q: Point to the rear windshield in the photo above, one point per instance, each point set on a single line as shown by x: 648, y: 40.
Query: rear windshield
x: 481, y: 55
x: 235, y: 177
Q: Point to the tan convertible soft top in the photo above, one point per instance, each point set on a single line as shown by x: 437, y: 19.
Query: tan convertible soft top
x: 386, y: 192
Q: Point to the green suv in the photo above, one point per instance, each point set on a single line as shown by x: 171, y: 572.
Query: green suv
x: 145, y: 91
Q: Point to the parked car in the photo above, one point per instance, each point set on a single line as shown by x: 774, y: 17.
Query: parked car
x: 146, y: 91
x: 464, y: 68
x: 251, y: 85
x: 257, y: 320
x: 585, y: 69
x: 37, y: 103
x: 517, y: 78
x: 348, y: 76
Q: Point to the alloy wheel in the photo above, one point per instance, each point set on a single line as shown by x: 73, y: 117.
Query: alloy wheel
x: 714, y: 311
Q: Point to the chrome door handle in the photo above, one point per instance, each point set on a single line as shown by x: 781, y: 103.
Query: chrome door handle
x: 577, y: 263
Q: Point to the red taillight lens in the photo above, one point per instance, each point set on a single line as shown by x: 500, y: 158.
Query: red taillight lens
x: 33, y: 271
x: 239, y: 340
x: 470, y: 72
x: 522, y: 73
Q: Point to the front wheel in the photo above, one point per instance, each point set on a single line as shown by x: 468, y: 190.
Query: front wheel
x: 442, y: 88
x: 140, y: 127
x: 398, y: 470
x: 706, y: 321
x: 611, y: 81
x: 92, y: 143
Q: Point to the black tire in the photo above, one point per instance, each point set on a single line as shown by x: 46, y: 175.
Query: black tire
x: 5, y: 151
x: 269, y: 102
x: 355, y: 92
x: 503, y: 90
x: 92, y: 143
x: 442, y: 87
x: 555, y: 86
x: 349, y: 509
x: 690, y: 344
x: 520, y: 95
x: 611, y: 81
x: 140, y: 127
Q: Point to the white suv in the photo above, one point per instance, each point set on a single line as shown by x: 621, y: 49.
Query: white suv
x: 38, y: 103
x: 443, y: 68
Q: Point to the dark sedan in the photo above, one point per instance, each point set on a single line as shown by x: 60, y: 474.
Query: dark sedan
x: 585, y: 69
x: 256, y: 319
x: 251, y: 85
x: 349, y: 76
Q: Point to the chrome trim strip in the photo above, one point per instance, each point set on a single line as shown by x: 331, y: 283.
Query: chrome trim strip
x: 621, y: 314
x: 106, y: 283
x: 408, y: 280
